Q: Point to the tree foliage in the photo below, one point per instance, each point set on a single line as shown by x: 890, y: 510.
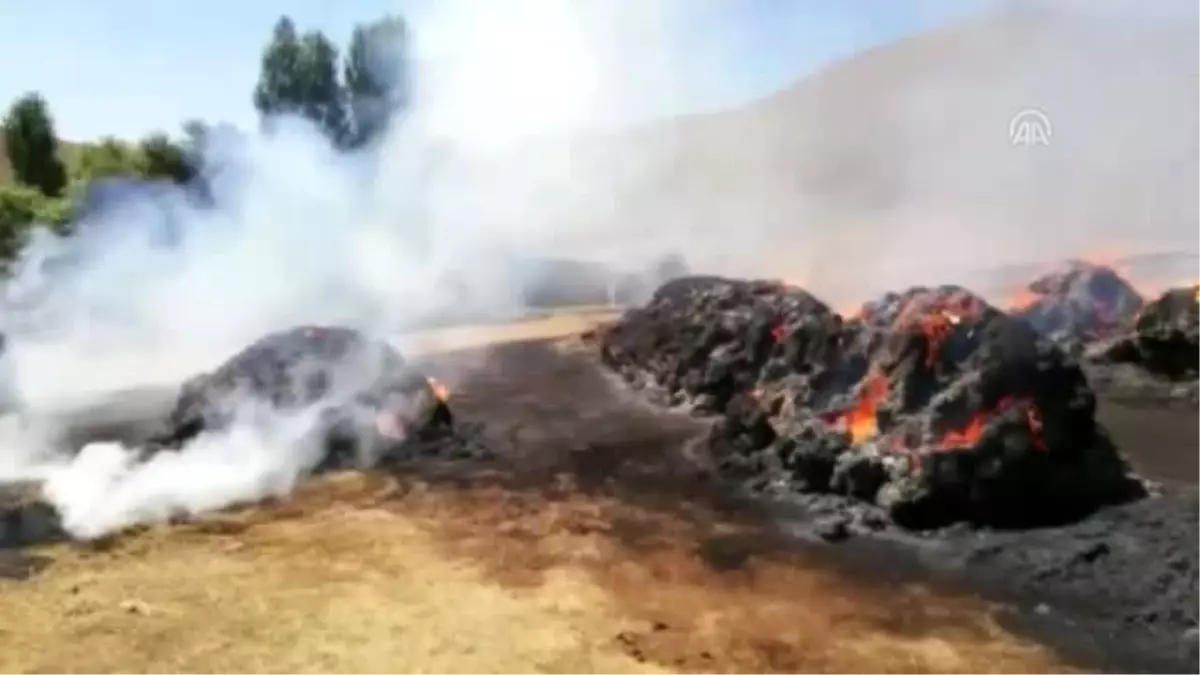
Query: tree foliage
x: 110, y: 158
x: 376, y: 77
x: 279, y: 89
x: 32, y: 145
x: 163, y: 158
x: 299, y: 76
x: 351, y: 99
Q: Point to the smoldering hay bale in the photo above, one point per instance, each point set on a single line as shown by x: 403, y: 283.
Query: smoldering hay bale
x: 372, y: 405
x: 1155, y: 361
x: 931, y: 404
x: 1165, y: 338
x: 1078, y: 303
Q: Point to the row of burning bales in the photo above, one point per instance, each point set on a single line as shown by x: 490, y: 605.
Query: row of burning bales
x: 926, y: 407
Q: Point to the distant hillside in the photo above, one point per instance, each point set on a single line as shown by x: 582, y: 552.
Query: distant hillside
x: 897, y: 165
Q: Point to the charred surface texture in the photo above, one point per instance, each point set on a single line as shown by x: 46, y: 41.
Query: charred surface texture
x: 370, y: 405
x: 931, y: 405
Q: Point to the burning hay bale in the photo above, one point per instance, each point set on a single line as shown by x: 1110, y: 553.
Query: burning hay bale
x: 1080, y: 303
x: 931, y: 404
x: 370, y: 405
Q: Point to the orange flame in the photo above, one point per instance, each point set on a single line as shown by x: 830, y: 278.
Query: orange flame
x: 441, y: 391
x: 860, y: 420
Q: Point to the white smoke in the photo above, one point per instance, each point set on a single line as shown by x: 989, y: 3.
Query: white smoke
x: 107, y: 487
x: 381, y: 242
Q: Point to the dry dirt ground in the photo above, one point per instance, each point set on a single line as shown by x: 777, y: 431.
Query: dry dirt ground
x: 592, y: 545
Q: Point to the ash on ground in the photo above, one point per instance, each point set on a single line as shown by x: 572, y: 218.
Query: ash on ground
x: 930, y: 405
x: 1157, y: 359
x: 1078, y: 304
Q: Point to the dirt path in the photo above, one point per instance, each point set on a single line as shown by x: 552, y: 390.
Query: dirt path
x: 591, y: 547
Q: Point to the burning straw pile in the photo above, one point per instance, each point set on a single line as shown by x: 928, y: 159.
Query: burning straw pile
x: 931, y: 404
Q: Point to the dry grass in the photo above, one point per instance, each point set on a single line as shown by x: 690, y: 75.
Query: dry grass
x: 558, y: 324
x: 357, y: 574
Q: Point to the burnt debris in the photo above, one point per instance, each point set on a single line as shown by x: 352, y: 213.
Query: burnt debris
x: 930, y: 404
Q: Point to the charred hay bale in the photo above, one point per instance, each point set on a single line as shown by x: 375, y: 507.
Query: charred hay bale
x: 704, y: 340
x: 370, y: 404
x: 960, y: 412
x: 25, y: 517
x: 1168, y: 333
x: 1079, y: 303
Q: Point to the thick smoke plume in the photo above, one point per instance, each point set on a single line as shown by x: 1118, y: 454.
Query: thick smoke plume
x: 892, y: 165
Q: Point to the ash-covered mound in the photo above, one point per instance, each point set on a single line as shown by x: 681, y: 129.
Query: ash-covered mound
x: 371, y: 406
x: 1080, y: 303
x: 932, y: 404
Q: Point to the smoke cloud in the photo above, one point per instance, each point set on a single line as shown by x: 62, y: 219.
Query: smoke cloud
x: 895, y: 166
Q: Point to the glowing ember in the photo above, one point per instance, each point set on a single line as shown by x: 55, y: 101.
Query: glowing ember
x: 937, y: 327
x: 441, y: 391
x: 971, y: 432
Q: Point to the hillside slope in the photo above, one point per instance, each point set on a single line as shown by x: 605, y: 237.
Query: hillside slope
x: 898, y: 165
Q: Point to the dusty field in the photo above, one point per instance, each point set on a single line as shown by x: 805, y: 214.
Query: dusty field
x: 590, y: 547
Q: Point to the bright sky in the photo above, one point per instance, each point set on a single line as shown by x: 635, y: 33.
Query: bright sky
x: 128, y: 67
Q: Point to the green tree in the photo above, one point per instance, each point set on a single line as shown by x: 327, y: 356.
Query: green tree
x: 376, y: 77
x: 33, y: 147
x: 163, y: 158
x: 324, y: 100
x: 299, y: 75
x: 279, y: 84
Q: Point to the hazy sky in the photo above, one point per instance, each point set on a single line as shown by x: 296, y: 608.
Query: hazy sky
x: 127, y: 67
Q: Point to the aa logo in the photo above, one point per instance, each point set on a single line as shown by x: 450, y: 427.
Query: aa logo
x: 1030, y: 127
